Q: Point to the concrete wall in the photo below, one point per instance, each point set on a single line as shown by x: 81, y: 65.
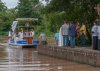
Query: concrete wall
x: 81, y: 55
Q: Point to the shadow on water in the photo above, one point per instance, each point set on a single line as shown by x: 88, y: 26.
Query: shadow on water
x: 28, y: 59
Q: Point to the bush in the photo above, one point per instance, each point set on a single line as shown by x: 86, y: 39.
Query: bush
x: 78, y: 41
x: 4, y: 33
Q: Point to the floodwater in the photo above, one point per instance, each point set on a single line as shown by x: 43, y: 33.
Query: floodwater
x: 28, y: 59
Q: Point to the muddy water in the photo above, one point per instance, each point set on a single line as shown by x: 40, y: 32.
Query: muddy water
x: 28, y: 59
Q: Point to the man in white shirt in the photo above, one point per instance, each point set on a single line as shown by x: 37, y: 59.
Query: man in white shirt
x: 21, y: 35
x: 98, y: 37
x: 32, y: 33
x: 65, y: 33
x: 94, y: 36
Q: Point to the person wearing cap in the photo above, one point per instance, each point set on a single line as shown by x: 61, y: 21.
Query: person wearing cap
x: 94, y: 36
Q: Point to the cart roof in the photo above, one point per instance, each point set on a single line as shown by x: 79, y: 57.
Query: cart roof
x: 26, y: 19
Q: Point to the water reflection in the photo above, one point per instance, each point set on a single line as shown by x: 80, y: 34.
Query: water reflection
x: 3, y: 53
x: 21, y: 55
x: 28, y: 59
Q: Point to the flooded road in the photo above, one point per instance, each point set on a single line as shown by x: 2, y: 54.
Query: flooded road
x: 28, y: 59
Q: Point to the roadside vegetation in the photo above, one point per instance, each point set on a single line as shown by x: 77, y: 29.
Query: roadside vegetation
x: 51, y: 15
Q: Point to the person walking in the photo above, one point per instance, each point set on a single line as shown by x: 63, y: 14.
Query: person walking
x: 72, y: 35
x: 94, y: 36
x: 64, y: 32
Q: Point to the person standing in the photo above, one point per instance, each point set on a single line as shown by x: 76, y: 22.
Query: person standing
x: 43, y: 40
x: 56, y: 37
x: 72, y: 35
x: 83, y: 33
x: 60, y: 42
x: 76, y: 29
x: 98, y: 37
x: 21, y: 35
x: 32, y: 33
x: 64, y: 32
x: 94, y: 37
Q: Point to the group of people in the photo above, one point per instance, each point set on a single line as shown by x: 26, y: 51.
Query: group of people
x: 25, y: 35
x: 68, y: 31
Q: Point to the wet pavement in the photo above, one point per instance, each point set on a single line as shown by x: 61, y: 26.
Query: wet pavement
x: 28, y: 59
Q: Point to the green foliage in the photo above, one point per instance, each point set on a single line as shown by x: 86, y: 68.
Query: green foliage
x: 26, y: 8
x: 81, y: 10
x: 6, y: 19
x: 51, y: 17
x: 78, y: 41
x: 2, y: 7
x: 53, y: 21
x: 4, y: 33
x: 6, y: 16
x: 71, y: 10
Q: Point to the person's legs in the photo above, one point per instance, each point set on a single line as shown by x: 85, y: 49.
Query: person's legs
x: 57, y: 42
x: 67, y: 40
x: 63, y: 41
x: 83, y: 40
x: 72, y: 42
x: 98, y: 45
x: 96, y: 40
x: 94, y: 43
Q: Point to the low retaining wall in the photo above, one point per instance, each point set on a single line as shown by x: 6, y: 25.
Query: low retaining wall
x: 81, y: 55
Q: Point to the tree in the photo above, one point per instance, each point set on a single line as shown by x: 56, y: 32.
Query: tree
x: 6, y: 19
x: 53, y: 21
x: 2, y: 7
x: 82, y: 10
x: 26, y: 8
x: 74, y: 10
